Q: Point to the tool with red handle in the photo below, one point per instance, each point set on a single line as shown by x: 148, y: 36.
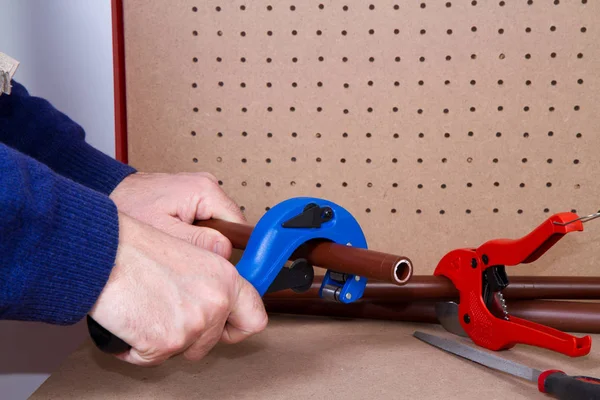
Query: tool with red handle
x: 479, y: 275
x: 553, y: 382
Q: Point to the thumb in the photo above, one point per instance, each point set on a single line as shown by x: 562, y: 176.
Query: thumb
x: 206, y: 238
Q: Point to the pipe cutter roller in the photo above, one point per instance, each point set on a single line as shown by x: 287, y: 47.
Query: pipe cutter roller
x: 281, y: 230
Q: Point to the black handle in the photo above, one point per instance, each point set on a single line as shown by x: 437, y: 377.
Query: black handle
x: 563, y: 386
x: 104, y: 340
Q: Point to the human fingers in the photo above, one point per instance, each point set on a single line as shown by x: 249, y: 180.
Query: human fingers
x: 209, y: 338
x: 206, y: 238
x: 248, y: 316
x: 215, y: 203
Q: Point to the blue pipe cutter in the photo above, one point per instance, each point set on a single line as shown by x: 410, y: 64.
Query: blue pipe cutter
x: 283, y: 229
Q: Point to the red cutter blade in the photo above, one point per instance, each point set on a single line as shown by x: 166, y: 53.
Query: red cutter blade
x: 465, y: 267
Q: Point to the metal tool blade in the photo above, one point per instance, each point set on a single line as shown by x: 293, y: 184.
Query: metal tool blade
x: 480, y: 357
x: 447, y: 313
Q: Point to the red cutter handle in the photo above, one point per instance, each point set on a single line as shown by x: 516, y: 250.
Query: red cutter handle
x: 494, y: 333
x: 464, y: 267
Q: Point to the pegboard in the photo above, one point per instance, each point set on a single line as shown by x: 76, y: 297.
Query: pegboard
x: 437, y: 124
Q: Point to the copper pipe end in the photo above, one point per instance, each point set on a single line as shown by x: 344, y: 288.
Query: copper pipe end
x: 403, y: 271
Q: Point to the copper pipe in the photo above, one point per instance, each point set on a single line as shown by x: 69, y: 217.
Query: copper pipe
x: 563, y: 315
x: 425, y: 287
x: 337, y: 257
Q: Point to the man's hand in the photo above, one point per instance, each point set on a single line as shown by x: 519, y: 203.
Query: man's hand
x: 171, y: 203
x: 165, y: 297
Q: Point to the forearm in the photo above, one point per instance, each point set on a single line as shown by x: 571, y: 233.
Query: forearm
x: 32, y: 126
x: 58, y: 242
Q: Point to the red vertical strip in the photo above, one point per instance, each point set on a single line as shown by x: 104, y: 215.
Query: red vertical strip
x: 119, y: 81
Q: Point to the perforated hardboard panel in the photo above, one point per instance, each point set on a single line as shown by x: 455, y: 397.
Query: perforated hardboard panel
x: 437, y: 124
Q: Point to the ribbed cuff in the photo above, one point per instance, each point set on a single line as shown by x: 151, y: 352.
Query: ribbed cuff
x: 92, y: 168
x: 73, y: 259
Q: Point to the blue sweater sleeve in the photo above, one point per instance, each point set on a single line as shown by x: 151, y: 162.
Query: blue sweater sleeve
x: 34, y: 127
x: 58, y: 242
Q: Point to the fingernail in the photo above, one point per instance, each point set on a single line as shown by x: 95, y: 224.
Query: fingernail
x: 218, y: 248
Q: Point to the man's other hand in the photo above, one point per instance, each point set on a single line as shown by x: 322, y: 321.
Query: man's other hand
x: 166, y: 297
x: 171, y: 203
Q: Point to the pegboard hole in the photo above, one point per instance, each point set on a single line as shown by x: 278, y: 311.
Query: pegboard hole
x: 396, y: 136
x: 550, y: 133
x: 495, y: 210
x: 527, y: 56
x: 294, y: 134
x: 195, y: 159
x: 579, y: 55
x: 495, y: 161
x: 394, y: 185
x: 578, y: 135
x: 553, y: 55
x: 524, y: 160
x: 370, y: 184
x: 546, y: 210
x: 344, y: 184
x: 293, y: 159
x: 548, y: 184
x: 469, y: 184
x: 496, y: 184
x: 193, y: 133
x: 468, y: 211
x: 421, y: 135
x: 576, y: 161
x: 528, y: 30
x: 519, y: 211
x: 498, y: 134
x: 318, y: 185
x: 446, y: 135
x: 500, y: 108
x: 393, y: 211
x: 553, y: 28
x: 527, y: 82
x: 471, y: 133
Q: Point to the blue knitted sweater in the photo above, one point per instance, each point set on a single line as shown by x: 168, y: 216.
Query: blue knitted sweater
x: 58, y: 227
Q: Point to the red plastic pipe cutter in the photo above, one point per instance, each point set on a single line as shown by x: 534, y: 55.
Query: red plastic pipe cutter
x: 479, y: 275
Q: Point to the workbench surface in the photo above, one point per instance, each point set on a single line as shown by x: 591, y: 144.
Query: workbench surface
x: 299, y: 357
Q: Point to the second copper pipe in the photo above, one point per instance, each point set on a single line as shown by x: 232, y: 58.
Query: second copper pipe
x: 424, y: 288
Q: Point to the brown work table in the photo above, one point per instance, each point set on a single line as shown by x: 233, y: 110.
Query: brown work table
x: 307, y: 358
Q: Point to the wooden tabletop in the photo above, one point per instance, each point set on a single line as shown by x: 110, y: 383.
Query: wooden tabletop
x: 306, y: 358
